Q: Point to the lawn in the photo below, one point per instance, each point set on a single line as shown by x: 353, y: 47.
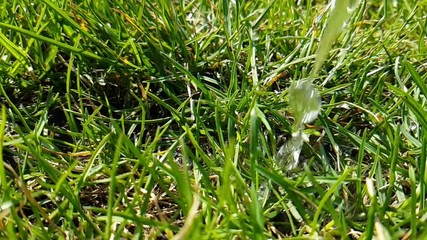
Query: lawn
x: 176, y: 120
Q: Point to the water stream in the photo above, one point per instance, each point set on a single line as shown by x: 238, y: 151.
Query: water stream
x: 304, y: 98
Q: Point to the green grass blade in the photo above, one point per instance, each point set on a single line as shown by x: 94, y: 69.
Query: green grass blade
x: 392, y: 172
x: 3, y: 180
x: 256, y: 211
x: 62, y: 45
x: 412, y: 104
x: 113, y: 184
x: 416, y: 77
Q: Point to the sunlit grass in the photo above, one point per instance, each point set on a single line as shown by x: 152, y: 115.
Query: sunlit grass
x: 144, y: 119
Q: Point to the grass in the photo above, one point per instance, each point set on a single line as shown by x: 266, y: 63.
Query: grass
x: 162, y: 119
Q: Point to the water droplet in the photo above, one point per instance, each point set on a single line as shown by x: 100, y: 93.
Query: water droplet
x: 304, y: 100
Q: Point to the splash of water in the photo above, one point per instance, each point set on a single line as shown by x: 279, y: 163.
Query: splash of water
x: 304, y: 100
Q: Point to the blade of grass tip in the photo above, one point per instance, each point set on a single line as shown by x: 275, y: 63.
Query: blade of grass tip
x: 257, y: 217
x: 252, y: 56
x: 56, y: 43
x: 10, y: 228
x: 296, y: 197
x: 113, y: 183
x: 201, y: 170
x: 227, y: 20
x: 392, y: 171
x: 412, y: 104
x: 190, y: 222
x: 227, y: 192
x: 15, y: 109
x: 24, y: 189
x: 357, y: 140
x: 85, y: 174
x: 88, y: 120
x: 360, y: 156
x: 329, y: 207
x: 4, y: 8
x: 172, y: 110
x: 188, y: 74
x: 257, y: 22
x: 423, y: 173
x: 232, y: 119
x: 202, y: 153
x: 218, y: 112
x: 327, y: 197
x: 264, y: 121
x: 361, y: 12
x: 416, y: 77
x: 71, y: 121
x: 332, y: 140
x: 65, y: 15
x: 234, y: 72
x: 3, y: 180
x: 180, y: 173
x: 53, y: 173
x: 76, y: 25
x: 414, y: 198
x: 379, y: 176
x: 17, y: 52
x: 370, y: 223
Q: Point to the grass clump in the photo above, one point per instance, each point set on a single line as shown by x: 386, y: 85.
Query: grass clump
x: 162, y: 119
